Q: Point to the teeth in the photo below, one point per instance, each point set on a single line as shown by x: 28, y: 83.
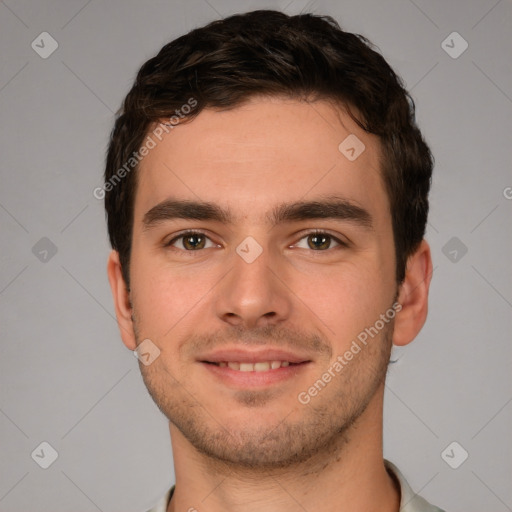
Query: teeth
x: 263, y: 366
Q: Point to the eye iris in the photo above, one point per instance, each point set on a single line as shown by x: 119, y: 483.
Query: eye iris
x: 319, y: 241
x: 188, y: 242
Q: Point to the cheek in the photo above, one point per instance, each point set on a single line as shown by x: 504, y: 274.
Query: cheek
x: 166, y: 299
x: 350, y: 300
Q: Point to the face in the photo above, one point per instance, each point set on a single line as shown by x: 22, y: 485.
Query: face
x: 253, y: 294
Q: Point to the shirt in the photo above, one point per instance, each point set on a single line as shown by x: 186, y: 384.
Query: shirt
x: 409, y: 502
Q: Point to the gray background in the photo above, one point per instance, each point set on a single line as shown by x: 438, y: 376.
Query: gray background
x: 65, y: 376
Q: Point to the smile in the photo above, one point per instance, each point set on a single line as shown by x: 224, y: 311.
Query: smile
x: 260, y: 366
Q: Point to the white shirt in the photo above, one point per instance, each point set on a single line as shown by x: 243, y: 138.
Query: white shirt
x: 409, y: 501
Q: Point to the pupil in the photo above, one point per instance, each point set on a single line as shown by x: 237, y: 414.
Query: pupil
x: 319, y: 241
x: 189, y: 241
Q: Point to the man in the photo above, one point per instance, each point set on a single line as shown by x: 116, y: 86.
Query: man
x: 267, y: 194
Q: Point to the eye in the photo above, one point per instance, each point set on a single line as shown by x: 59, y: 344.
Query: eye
x: 320, y: 241
x: 191, y: 241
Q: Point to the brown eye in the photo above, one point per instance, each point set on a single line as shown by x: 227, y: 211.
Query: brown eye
x: 319, y: 241
x: 194, y: 242
x: 190, y: 241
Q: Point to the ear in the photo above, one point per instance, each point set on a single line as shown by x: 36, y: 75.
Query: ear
x: 121, y: 300
x: 413, y: 296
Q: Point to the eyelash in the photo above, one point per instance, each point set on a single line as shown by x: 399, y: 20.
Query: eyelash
x: 309, y: 233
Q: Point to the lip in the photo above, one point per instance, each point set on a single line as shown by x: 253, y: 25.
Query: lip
x: 250, y: 380
x: 252, y: 356
x: 253, y: 380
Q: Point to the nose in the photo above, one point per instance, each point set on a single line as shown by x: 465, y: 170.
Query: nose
x: 253, y: 293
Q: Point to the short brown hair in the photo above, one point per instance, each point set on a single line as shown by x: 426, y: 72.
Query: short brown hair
x: 266, y: 52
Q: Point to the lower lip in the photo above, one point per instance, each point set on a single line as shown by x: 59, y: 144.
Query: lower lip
x: 253, y: 379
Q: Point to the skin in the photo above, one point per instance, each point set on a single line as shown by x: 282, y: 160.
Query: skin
x: 261, y: 449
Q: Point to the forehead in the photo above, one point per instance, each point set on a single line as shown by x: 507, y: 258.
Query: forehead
x: 268, y: 151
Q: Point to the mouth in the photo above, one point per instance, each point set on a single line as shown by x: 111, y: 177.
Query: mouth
x: 260, y: 366
x: 249, y: 369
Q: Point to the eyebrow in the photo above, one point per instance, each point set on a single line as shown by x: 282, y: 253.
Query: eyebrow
x: 331, y: 207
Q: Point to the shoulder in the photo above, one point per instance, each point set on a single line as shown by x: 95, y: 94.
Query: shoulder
x: 410, y: 501
x: 163, y: 503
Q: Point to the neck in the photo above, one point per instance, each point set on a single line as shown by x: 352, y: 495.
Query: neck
x: 349, y: 471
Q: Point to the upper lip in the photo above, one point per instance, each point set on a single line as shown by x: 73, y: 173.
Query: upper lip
x: 252, y: 356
